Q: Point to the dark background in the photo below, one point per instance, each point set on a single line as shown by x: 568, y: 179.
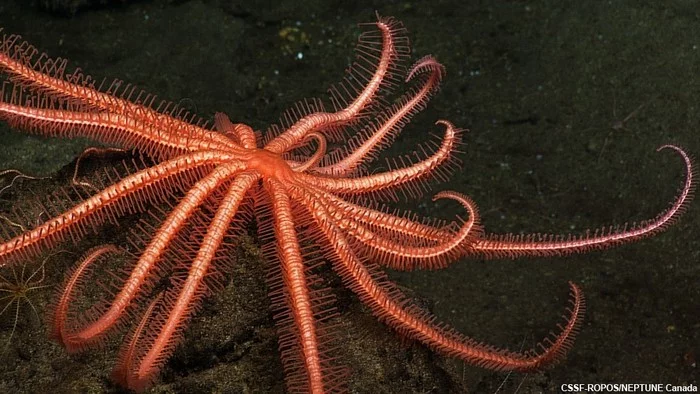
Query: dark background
x: 540, y: 85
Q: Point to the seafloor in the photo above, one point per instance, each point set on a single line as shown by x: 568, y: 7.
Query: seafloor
x: 542, y: 87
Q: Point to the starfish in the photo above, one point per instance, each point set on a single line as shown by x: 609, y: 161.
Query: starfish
x: 309, y: 185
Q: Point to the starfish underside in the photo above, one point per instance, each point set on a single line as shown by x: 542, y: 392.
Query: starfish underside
x: 310, y: 206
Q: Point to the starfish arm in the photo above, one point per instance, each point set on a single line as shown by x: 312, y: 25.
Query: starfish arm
x: 390, y: 224
x: 316, y: 157
x: 58, y: 316
x: 123, y: 371
x: 394, y: 252
x: 386, y: 180
x: 391, y: 122
x: 381, y: 75
x: 243, y: 134
x: 151, y: 183
x: 95, y: 331
x: 393, y: 308
x: 106, y: 127
x: 46, y: 77
x: 165, y: 331
x: 303, y: 343
x: 542, y: 245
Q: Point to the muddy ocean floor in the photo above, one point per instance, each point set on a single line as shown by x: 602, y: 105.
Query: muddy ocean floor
x: 566, y: 104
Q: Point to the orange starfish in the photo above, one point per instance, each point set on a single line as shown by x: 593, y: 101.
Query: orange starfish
x: 307, y: 203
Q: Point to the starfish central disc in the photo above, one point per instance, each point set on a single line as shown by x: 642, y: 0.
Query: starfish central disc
x: 270, y: 165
